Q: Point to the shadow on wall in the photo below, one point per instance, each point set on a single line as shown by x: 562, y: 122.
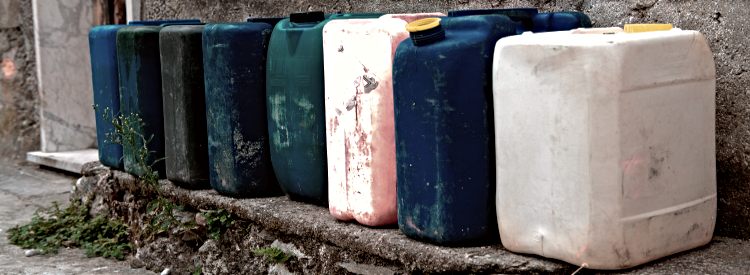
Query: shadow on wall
x: 734, y: 214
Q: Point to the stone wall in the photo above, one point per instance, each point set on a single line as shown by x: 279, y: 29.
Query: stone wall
x: 725, y: 24
x: 19, y: 127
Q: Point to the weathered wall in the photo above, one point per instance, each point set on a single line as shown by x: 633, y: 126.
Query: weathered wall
x: 19, y: 128
x: 725, y: 24
x: 64, y: 71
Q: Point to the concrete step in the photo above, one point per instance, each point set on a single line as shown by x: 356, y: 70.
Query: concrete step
x: 310, y: 224
x: 71, y: 161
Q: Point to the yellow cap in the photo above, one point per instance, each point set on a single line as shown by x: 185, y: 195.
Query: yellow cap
x: 423, y: 24
x: 634, y: 28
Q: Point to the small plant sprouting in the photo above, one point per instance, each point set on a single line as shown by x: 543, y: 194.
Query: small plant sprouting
x: 162, y: 216
x: 127, y: 133
x: 198, y: 270
x: 217, y: 221
x: 273, y: 254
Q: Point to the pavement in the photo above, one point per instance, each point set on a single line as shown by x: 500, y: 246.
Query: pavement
x: 23, y: 190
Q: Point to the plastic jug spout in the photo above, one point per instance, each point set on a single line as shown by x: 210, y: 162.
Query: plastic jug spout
x: 425, y: 31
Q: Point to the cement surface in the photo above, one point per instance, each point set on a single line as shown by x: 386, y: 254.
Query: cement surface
x: 279, y: 214
x: 71, y: 161
x: 23, y: 190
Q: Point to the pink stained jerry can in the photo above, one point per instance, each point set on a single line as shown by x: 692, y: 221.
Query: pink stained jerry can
x: 360, y: 134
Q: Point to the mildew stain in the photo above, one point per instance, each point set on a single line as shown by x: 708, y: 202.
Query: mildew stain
x: 247, y: 152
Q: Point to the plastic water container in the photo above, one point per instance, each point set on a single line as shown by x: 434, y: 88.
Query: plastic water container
x: 296, y: 114
x: 560, y: 21
x: 358, y: 57
x: 605, y: 144
x: 105, y: 82
x: 269, y: 20
x: 106, y: 86
x: 524, y: 17
x: 164, y: 22
x: 139, y: 68
x: 234, y: 62
x: 185, y: 134
x: 442, y: 99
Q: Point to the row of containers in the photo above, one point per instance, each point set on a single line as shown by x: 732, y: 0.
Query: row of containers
x: 590, y: 145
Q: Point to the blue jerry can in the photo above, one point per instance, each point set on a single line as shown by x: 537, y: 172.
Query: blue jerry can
x: 185, y: 134
x: 444, y: 149
x: 164, y: 22
x: 234, y: 59
x: 560, y: 21
x: 103, y: 46
x: 524, y: 17
x: 269, y: 20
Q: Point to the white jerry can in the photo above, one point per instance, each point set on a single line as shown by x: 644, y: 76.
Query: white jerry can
x: 605, y: 144
x: 360, y: 130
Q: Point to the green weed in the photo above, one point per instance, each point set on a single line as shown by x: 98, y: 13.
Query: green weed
x: 217, y: 221
x: 198, y: 270
x: 52, y: 228
x: 127, y: 133
x: 273, y: 254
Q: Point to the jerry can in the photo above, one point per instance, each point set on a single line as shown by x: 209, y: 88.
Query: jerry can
x: 296, y: 114
x: 523, y: 17
x: 106, y: 86
x: 268, y: 20
x: 442, y: 100
x: 606, y: 144
x: 560, y: 21
x: 105, y: 82
x: 139, y: 68
x: 185, y: 134
x: 358, y: 58
x: 234, y: 60
x: 164, y: 22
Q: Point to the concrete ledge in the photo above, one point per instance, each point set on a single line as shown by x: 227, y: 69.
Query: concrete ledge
x: 315, y: 229
x: 71, y: 161
x: 289, y: 217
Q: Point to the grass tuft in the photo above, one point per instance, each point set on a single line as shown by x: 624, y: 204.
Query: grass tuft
x: 52, y: 228
x: 273, y: 254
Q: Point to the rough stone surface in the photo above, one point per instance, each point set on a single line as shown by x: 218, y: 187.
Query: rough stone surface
x: 9, y: 10
x: 724, y: 23
x: 322, y: 245
x: 19, y: 118
x: 64, y: 72
x: 25, y: 189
